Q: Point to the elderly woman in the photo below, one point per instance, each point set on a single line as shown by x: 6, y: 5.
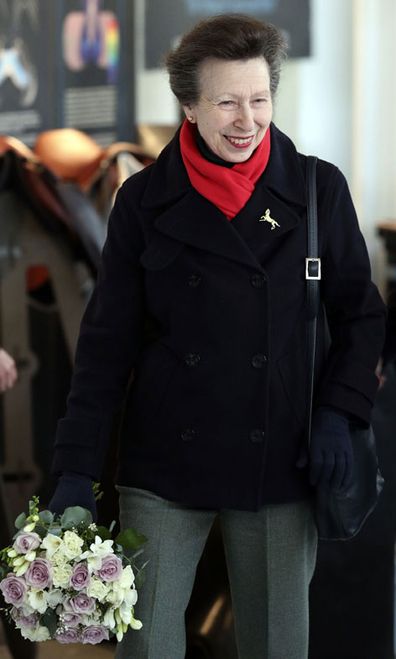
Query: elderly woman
x: 201, y: 293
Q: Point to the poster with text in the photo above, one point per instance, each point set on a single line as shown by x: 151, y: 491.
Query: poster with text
x: 90, y: 55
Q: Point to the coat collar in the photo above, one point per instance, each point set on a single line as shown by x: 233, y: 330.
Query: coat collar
x: 187, y: 217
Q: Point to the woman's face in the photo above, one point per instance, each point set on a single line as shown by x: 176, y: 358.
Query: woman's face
x: 235, y: 106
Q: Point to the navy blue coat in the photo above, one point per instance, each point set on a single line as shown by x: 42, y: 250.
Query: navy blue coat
x: 210, y: 316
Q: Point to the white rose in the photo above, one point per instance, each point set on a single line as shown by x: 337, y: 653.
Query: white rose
x: 61, y: 575
x: 72, y: 543
x: 97, y: 589
x: 51, y: 543
x: 38, y: 634
x: 59, y: 558
x: 37, y: 600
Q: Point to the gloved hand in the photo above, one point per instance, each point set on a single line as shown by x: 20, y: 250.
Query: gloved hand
x: 331, y: 454
x: 73, y: 490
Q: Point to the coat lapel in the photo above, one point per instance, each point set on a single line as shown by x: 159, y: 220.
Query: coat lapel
x: 195, y: 221
x: 186, y: 216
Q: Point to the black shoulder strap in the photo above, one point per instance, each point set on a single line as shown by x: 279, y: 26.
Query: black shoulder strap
x: 312, y: 275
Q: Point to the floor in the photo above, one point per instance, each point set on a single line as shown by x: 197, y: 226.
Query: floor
x: 51, y: 649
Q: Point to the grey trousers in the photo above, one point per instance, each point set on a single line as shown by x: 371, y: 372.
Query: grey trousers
x: 270, y: 561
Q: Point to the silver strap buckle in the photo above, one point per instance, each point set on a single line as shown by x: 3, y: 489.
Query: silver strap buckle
x: 313, y: 268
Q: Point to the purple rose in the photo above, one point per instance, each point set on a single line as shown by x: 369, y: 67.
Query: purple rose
x: 80, y: 578
x: 38, y: 574
x: 69, y: 635
x: 22, y: 620
x: 94, y: 634
x: 14, y: 590
x: 110, y: 569
x: 25, y: 542
x: 81, y: 603
x: 70, y: 619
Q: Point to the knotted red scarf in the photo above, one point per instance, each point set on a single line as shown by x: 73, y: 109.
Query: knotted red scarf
x: 227, y: 188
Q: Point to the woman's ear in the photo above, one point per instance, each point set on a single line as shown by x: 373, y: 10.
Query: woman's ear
x: 188, y: 111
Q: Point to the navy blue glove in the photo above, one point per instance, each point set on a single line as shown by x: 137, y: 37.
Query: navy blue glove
x: 73, y: 490
x: 331, y: 454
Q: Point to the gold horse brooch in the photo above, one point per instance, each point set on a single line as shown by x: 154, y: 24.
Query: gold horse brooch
x: 267, y: 218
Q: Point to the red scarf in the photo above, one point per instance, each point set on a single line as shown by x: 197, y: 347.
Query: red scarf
x: 227, y: 188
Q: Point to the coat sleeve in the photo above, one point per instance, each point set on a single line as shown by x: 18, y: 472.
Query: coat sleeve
x: 354, y: 308
x: 107, y: 347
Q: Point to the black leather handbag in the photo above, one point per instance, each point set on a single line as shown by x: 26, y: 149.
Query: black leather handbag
x: 339, y: 514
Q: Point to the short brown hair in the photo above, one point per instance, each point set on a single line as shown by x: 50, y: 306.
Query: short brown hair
x: 226, y: 37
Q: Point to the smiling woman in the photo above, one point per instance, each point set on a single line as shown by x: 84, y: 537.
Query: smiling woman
x: 234, y: 109
x: 202, y: 293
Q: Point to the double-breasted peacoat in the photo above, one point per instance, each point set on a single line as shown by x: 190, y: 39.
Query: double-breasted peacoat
x: 210, y: 318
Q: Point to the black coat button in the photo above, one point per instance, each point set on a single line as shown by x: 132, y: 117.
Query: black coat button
x: 257, y: 280
x: 259, y: 360
x: 192, y: 359
x: 257, y: 435
x: 188, y: 434
x: 194, y: 280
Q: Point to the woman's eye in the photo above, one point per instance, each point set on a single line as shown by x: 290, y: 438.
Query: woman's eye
x: 259, y: 101
x: 227, y: 104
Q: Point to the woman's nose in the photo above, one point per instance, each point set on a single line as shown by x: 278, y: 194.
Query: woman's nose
x: 245, y: 117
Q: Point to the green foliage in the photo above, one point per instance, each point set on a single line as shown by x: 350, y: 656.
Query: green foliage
x: 49, y: 619
x: 130, y: 540
x: 103, y: 532
x: 20, y: 521
x: 74, y: 516
x: 46, y: 517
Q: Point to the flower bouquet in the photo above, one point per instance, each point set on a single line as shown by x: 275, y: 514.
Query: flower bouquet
x: 65, y: 578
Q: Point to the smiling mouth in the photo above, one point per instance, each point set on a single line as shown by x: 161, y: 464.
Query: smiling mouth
x: 240, y: 142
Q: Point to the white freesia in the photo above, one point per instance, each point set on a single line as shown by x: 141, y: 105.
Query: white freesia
x: 29, y: 527
x: 96, y: 551
x: 101, y: 547
x: 108, y: 619
x: 38, y: 600
x: 131, y: 597
x: 30, y: 556
x: 38, y: 634
x: 127, y: 577
x: 20, y: 571
x: 51, y: 544
x: 61, y: 575
x: 71, y: 545
x: 135, y: 623
x: 125, y: 613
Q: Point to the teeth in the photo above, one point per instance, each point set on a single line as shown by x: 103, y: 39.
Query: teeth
x: 235, y: 140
